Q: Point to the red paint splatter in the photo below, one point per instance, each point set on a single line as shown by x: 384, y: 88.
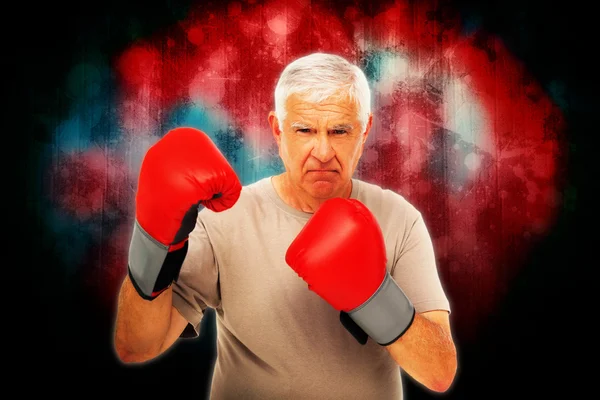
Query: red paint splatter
x: 88, y: 183
x: 461, y: 130
x: 488, y: 196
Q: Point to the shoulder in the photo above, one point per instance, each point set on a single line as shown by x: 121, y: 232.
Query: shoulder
x: 251, y: 197
x: 253, y: 193
x: 386, y: 203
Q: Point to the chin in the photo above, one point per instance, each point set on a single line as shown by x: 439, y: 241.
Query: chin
x: 323, y: 189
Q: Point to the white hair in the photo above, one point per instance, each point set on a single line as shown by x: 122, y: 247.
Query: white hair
x: 319, y: 76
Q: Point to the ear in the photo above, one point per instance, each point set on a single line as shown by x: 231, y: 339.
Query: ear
x: 365, y: 135
x: 368, y: 128
x: 274, y: 123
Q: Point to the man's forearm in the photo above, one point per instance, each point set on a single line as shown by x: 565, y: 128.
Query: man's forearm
x: 141, y: 325
x: 427, y: 353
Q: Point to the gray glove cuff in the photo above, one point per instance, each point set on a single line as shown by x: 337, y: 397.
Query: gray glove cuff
x: 146, y: 259
x: 386, y: 315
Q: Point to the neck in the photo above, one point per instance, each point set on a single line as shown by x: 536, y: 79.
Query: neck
x: 298, y: 198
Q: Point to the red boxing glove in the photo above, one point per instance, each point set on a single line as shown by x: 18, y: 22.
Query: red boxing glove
x: 341, y: 255
x: 179, y: 173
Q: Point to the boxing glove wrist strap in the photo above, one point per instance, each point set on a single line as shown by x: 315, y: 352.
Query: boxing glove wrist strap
x: 387, y: 314
x: 152, y: 267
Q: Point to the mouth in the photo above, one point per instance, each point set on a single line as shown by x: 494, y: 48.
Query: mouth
x: 322, y: 174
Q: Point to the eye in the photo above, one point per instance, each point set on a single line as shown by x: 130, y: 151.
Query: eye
x: 339, y: 131
x: 303, y: 130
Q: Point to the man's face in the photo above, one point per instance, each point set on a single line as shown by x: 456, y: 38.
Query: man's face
x: 320, y: 144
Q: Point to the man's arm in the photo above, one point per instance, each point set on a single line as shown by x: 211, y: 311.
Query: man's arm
x: 426, y: 351
x: 357, y: 282
x: 173, y: 184
x: 145, y: 329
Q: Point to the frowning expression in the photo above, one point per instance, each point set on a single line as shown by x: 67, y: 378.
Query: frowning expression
x: 320, y: 144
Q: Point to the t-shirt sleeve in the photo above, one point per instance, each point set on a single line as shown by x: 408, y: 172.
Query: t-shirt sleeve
x: 198, y: 284
x: 415, y: 268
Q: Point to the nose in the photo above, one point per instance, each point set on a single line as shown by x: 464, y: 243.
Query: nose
x: 322, y: 148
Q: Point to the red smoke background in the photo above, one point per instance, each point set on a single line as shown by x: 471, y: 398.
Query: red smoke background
x: 461, y: 129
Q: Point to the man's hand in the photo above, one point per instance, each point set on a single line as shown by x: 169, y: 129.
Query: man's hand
x: 340, y: 253
x: 179, y: 173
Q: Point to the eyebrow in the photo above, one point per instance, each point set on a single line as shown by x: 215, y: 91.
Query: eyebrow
x: 302, y: 125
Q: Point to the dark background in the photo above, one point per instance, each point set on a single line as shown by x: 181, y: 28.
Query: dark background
x: 535, y: 347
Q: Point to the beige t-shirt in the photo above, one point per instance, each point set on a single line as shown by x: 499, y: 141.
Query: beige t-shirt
x: 276, y: 339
